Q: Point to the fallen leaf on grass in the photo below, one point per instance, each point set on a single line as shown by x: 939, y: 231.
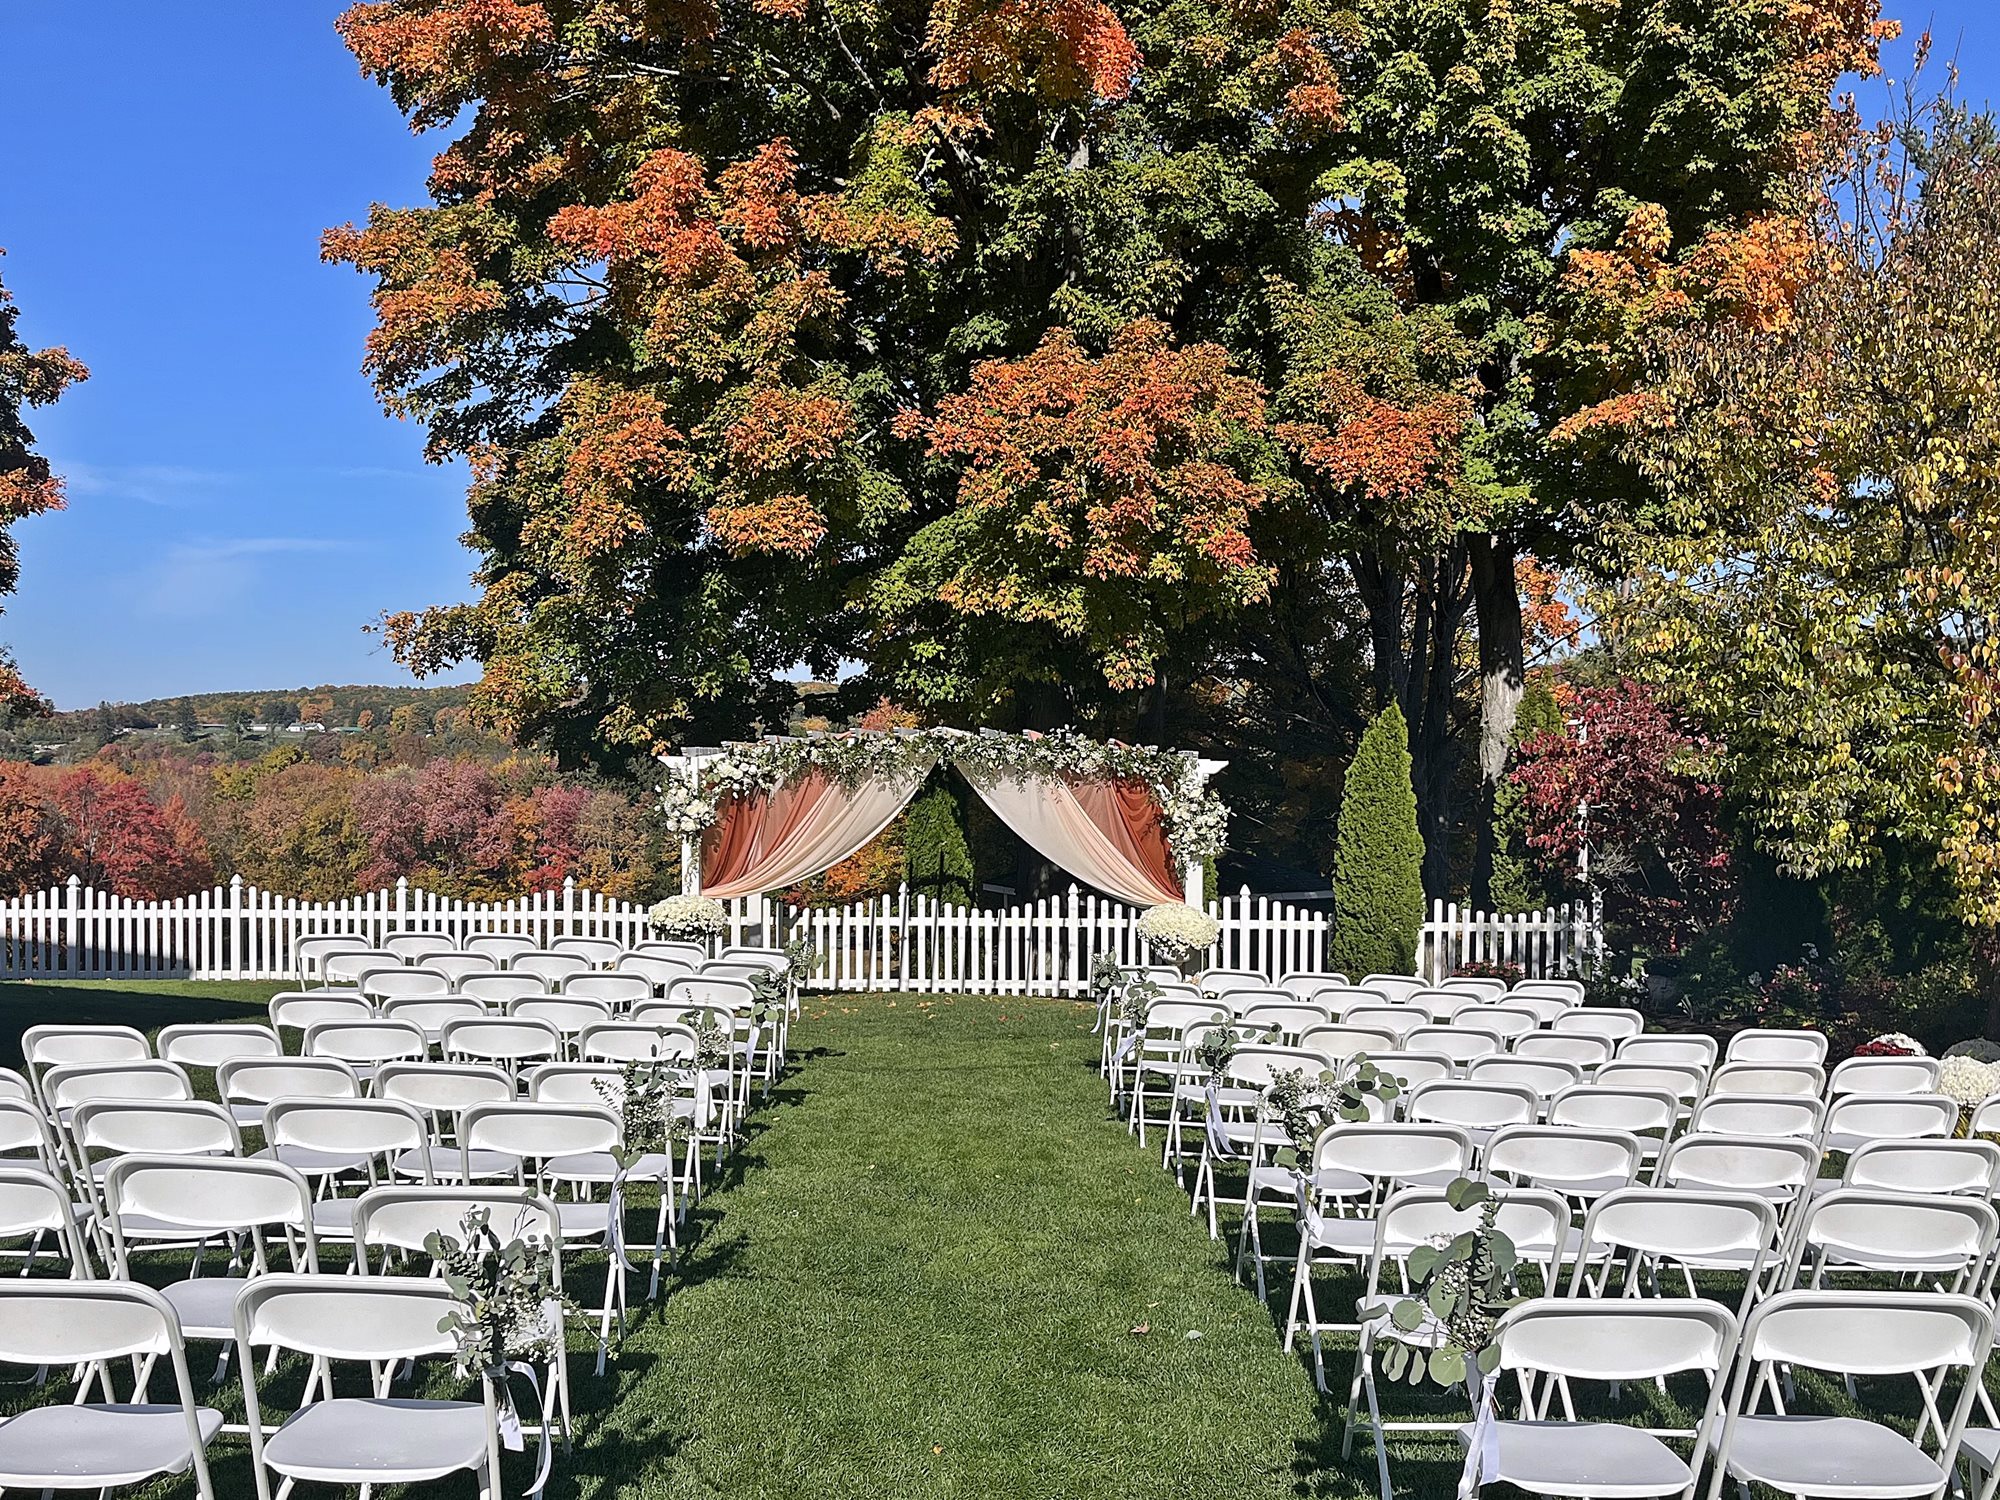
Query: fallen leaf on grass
x: 1142, y: 1329
x: 1193, y: 1334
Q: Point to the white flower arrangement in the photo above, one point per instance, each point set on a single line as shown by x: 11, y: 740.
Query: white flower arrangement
x: 1902, y: 1042
x: 686, y: 812
x: 1174, y: 930
x: 1968, y: 1080
x: 689, y: 917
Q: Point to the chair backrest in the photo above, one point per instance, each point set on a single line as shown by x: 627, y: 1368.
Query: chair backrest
x: 1536, y: 1220
x: 1854, y: 1118
x: 552, y: 965
x: 776, y: 960
x: 1168, y: 1018
x: 294, y: 1012
x: 655, y: 969
x: 1691, y: 1050
x: 1759, y: 1045
x: 1565, y: 1158
x: 156, y: 1127
x: 309, y: 953
x: 1342, y: 998
x: 1544, y: 1008
x: 499, y: 946
x: 1472, y: 1106
x: 614, y: 989
x: 1614, y: 1023
x: 1460, y: 1043
x: 576, y: 1083
x: 15, y: 1085
x: 498, y: 989
x: 1943, y: 1237
x: 458, y: 967
x: 33, y: 1202
x: 1738, y: 1231
x: 207, y: 1044
x: 352, y: 965
x: 1569, y: 991
x: 1684, y: 1081
x: 722, y: 968
x: 637, y: 1041
x: 501, y: 1039
x: 1414, y: 1068
x: 411, y: 946
x: 1511, y: 1021
x: 1438, y: 1005
x: 1759, y: 1115
x: 25, y: 1129
x: 535, y: 1130
x: 1777, y: 1169
x: 1388, y: 1150
x: 1252, y: 1066
x: 1883, y: 1075
x: 347, y: 1127
x: 1616, y: 1338
x: 705, y: 989
x: 569, y: 1014
x: 1801, y: 1080
x: 402, y: 1217
x: 1598, y: 1106
x: 1220, y: 982
x: 259, y: 1080
x: 692, y: 954
x: 171, y: 1197
x: 1585, y: 1051
x: 1547, y: 1076
x: 1396, y: 1020
x: 1288, y: 1018
x: 67, y: 1086
x: 1338, y: 1043
x: 1484, y: 986
x: 365, y: 1043
x: 1391, y: 986
x: 404, y: 984
x: 599, y: 953
x: 1305, y: 984
x: 53, y: 1046
x: 442, y: 1088
x: 1925, y: 1166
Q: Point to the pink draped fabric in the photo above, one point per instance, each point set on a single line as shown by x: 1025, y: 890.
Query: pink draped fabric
x: 1106, y: 834
x: 770, y: 840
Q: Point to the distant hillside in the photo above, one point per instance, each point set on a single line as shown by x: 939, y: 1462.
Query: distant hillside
x: 336, y: 707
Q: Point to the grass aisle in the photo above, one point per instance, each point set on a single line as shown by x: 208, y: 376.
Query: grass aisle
x: 924, y: 1282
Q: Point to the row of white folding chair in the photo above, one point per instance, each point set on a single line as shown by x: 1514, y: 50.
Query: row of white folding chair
x: 344, y: 960
x: 1305, y: 982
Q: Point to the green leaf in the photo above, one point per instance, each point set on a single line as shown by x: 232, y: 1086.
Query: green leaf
x: 1406, y: 1315
x: 1423, y: 1262
x: 1443, y: 1300
x: 1394, y: 1357
x: 1448, y: 1365
x: 1466, y: 1192
x: 1489, y: 1359
x: 1415, y: 1373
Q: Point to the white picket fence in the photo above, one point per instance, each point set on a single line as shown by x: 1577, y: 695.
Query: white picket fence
x: 905, y: 941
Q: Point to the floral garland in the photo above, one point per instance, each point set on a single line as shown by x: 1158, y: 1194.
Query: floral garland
x: 1196, y: 820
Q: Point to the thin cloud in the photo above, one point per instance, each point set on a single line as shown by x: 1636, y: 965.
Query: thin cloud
x: 169, y: 485
x: 195, y: 580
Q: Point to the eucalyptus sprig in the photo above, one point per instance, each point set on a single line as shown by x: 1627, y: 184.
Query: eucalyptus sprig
x: 711, y: 1041
x: 512, y: 1309
x: 1306, y: 1106
x: 1219, y: 1044
x: 1460, y: 1285
x: 1135, y: 1002
x: 1106, y: 974
x: 643, y: 1094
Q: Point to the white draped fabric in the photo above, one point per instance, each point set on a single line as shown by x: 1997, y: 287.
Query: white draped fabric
x: 1044, y: 814
x: 776, y: 839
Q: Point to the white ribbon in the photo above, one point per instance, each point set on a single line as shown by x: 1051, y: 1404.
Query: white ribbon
x: 1219, y: 1144
x: 511, y: 1435
x: 1127, y: 1047
x: 1482, y: 1448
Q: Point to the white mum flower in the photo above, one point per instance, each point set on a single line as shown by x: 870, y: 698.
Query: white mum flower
x: 690, y: 916
x: 1967, y: 1079
x: 1175, y: 930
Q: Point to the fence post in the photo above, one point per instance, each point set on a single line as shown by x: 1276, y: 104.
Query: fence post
x: 402, y: 903
x: 72, y: 925
x: 569, y: 905
x: 236, y: 927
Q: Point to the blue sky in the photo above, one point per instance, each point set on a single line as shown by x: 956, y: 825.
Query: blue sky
x: 239, y: 506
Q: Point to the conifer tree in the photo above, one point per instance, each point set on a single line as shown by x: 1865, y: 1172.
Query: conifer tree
x: 1378, y: 884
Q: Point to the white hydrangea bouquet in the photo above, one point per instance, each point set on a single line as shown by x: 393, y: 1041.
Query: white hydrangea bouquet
x: 1968, y: 1081
x: 1174, y: 930
x: 684, y: 809
x: 689, y: 917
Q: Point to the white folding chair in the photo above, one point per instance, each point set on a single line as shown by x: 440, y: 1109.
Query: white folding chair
x: 1760, y: 1045
x: 1780, y: 1171
x: 1613, y: 1024
x: 599, y: 953
x: 46, y: 1323
x: 636, y: 1041
x: 404, y: 984
x: 361, y: 1440
x: 658, y: 972
x: 1685, y: 1081
x: 1852, y: 1120
x: 1510, y: 1021
x: 1548, y: 1342
x: 551, y: 965
x: 52, y: 1046
x: 1580, y: 1165
x: 291, y: 1012
x: 325, y: 1140
x: 499, y: 947
x: 1479, y: 1109
x: 249, y: 1084
x: 614, y: 989
x: 66, y: 1086
x: 1569, y: 991
x: 1342, y: 999
x: 208, y: 1045
x: 1943, y: 1240
x: 1482, y: 986
x: 429, y: 1016
x: 1391, y: 987
x: 1530, y: 1218
x: 440, y: 1093
x: 27, y: 1139
x: 1460, y: 1043
x: 309, y: 955
x: 1305, y: 984
x: 365, y: 1045
x: 1546, y: 1009
x: 121, y: 1127
x: 1290, y: 1020
x: 457, y: 967
x: 1343, y: 1040
x: 496, y: 990
x: 1883, y: 1075
x: 1547, y: 1076
x: 1218, y: 983
x: 694, y: 955
x: 1759, y: 1115
x: 1691, y: 1051
x: 411, y: 946
x: 1801, y: 1080
x: 1410, y: 1069
x: 36, y: 1208
x: 1925, y: 1166
x: 570, y: 1015
x: 506, y: 1040
x: 1238, y: 1135
x: 1648, y: 1230
x: 1927, y: 1335
x: 1439, y: 1005
x: 1587, y: 1052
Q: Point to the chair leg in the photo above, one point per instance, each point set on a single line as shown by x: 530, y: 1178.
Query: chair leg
x: 1300, y: 1276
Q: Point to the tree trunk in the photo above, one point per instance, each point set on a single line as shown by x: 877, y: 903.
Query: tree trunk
x: 1502, y: 678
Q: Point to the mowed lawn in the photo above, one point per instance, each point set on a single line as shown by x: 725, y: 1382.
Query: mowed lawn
x: 938, y: 1268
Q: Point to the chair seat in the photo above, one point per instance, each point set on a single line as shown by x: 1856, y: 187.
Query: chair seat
x: 310, y: 1161
x: 333, y: 1218
x: 1583, y: 1458
x: 599, y: 1166
x: 445, y: 1163
x: 1350, y: 1237
x: 1830, y: 1456
x: 351, y: 1440
x: 86, y: 1447
x: 1981, y: 1447
x: 206, y: 1305
x: 582, y: 1221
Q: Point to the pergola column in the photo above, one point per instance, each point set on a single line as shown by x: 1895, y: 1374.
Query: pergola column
x: 1194, y: 880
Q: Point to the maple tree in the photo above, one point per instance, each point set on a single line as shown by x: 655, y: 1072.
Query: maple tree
x: 28, y: 378
x: 1818, y: 579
